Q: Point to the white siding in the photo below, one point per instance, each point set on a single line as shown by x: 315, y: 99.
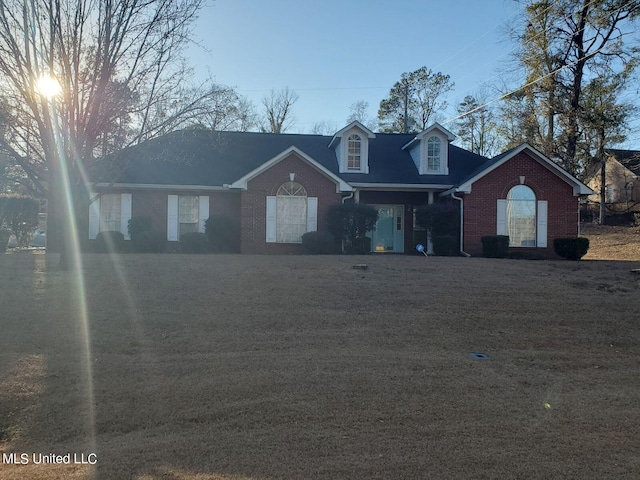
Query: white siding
x: 502, y: 218
x: 312, y: 214
x: 271, y: 219
x: 94, y: 218
x: 203, y: 212
x: 125, y: 214
x: 172, y: 218
x: 541, y: 230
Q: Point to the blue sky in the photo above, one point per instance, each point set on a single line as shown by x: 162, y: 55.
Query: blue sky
x: 336, y: 52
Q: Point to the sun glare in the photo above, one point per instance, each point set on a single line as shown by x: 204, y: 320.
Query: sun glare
x: 48, y: 86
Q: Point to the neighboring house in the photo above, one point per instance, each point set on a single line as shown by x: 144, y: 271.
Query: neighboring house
x: 280, y: 186
x: 622, y: 178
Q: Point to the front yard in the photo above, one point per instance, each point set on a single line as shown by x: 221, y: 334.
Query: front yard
x: 200, y: 367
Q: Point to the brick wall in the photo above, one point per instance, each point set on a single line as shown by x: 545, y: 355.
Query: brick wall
x: 153, y: 203
x: 480, y: 206
x: 253, y: 209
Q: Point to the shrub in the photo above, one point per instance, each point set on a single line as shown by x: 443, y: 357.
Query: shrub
x: 573, y: 248
x: 109, y: 241
x: 150, y: 241
x: 349, y: 222
x: 360, y: 246
x: 20, y: 215
x: 495, y: 246
x: 4, y: 239
x: 223, y: 233
x: 138, y: 225
x: 194, y: 242
x: 446, y: 245
x: 319, y: 243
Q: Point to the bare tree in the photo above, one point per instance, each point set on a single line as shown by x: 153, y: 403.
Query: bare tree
x: 324, y: 128
x: 277, y: 111
x: 121, y: 79
x: 360, y: 112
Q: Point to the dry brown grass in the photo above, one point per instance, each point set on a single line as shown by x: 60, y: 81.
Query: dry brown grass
x: 257, y: 367
x: 612, y: 243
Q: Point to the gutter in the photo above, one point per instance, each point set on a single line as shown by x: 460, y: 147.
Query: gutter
x: 453, y: 195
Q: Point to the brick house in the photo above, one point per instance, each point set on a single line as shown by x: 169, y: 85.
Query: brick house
x: 280, y: 186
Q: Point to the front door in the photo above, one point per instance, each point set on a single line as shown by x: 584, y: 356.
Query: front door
x: 389, y: 233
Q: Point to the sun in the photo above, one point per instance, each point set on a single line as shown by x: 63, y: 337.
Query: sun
x: 48, y: 86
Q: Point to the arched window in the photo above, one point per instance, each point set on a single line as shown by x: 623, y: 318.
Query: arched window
x: 433, y: 154
x: 291, y: 213
x: 521, y: 217
x: 354, y: 146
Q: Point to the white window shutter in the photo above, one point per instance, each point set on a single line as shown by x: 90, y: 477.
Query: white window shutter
x: 542, y: 224
x: 125, y: 214
x: 172, y: 218
x: 502, y: 218
x: 271, y: 219
x: 94, y: 218
x: 203, y: 212
x: 312, y: 214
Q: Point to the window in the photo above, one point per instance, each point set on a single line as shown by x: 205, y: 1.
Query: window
x: 521, y: 217
x: 110, y: 208
x: 188, y: 214
x: 354, y: 146
x: 433, y: 154
x: 291, y: 213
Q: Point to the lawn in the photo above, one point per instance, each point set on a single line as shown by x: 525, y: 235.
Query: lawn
x: 297, y: 367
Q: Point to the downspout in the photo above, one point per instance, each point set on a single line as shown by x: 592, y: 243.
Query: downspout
x: 453, y: 195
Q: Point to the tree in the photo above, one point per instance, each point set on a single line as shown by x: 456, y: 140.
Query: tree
x: 324, y: 128
x: 227, y: 111
x: 604, y: 121
x: 564, y: 45
x: 360, y: 112
x: 120, y: 78
x: 19, y: 214
x: 349, y: 223
x: 277, y: 116
x: 477, y: 128
x: 414, y: 102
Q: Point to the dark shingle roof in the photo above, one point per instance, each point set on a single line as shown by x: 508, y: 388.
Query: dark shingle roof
x: 197, y: 157
x: 628, y: 158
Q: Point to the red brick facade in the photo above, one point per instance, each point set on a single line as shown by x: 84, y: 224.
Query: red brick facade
x: 253, y: 222
x: 480, y: 206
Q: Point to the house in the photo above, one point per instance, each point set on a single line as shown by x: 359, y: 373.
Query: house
x: 622, y: 179
x: 280, y: 186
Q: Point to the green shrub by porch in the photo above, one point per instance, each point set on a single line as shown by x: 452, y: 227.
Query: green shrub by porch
x: 319, y: 243
x: 446, y: 245
x: 350, y: 222
x: 109, y: 242
x: 223, y: 233
x: 571, y: 248
x: 4, y: 239
x: 194, y: 242
x: 495, y: 246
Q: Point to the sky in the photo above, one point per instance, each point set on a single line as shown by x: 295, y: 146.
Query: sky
x: 337, y: 52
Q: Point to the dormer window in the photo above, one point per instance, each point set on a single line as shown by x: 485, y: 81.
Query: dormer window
x: 351, y: 145
x: 354, y: 149
x: 433, y: 154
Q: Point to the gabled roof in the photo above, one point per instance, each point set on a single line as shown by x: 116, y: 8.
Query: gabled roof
x: 341, y: 185
x: 436, y: 126
x: 628, y: 158
x: 340, y: 133
x: 206, y: 158
x: 465, y: 185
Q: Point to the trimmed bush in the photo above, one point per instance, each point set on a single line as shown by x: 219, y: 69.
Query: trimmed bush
x: 349, y: 223
x: 138, y: 225
x: 495, y: 246
x: 446, y: 245
x: 223, y: 233
x: 319, y: 243
x: 150, y: 241
x: 109, y: 241
x: 194, y: 242
x: 4, y: 239
x: 571, y: 248
x: 360, y: 246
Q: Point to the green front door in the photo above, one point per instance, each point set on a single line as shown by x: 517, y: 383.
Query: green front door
x: 389, y: 233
